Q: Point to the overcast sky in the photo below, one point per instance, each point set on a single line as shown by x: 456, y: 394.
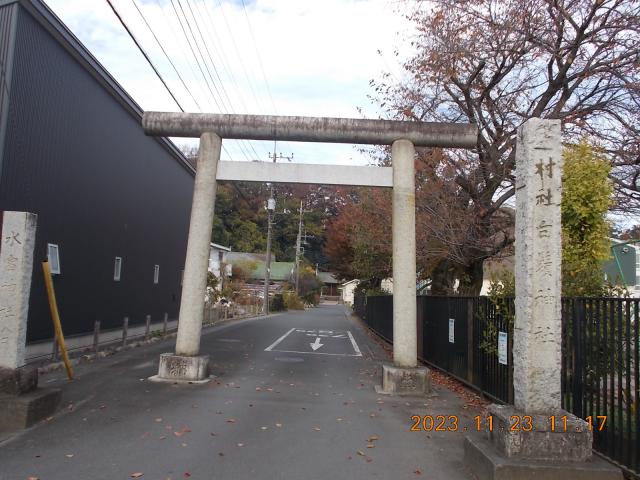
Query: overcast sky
x: 285, y: 57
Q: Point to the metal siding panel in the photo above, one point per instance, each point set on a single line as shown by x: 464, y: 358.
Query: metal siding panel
x: 100, y: 187
x: 8, y: 17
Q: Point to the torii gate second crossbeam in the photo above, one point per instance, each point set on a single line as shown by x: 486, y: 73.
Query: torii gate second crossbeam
x: 404, y: 376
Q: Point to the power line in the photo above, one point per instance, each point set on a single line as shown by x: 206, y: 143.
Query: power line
x: 255, y: 46
x: 225, y: 62
x: 195, y: 41
x: 165, y: 53
x: 215, y: 69
x: 238, y: 54
x: 194, y: 54
x: 206, y: 81
x: 144, y: 54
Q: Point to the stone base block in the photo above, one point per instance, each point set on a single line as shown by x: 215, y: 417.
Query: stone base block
x: 535, y: 437
x: 19, y: 380
x: 179, y: 368
x: 487, y: 464
x: 405, y: 381
x: 22, y: 411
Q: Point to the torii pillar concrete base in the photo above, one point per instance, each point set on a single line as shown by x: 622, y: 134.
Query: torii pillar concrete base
x: 404, y: 381
x: 182, y: 369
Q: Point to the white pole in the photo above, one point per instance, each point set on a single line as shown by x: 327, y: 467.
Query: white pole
x: 196, y: 263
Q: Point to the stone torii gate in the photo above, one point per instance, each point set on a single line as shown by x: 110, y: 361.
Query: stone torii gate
x: 404, y: 376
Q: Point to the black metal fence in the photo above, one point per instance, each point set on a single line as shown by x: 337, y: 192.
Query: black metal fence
x: 471, y: 338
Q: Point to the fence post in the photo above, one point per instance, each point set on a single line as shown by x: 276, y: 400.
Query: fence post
x: 96, y: 335
x: 147, y: 327
x: 470, y: 350
x: 165, y: 322
x: 577, y: 364
x: 419, y: 326
x: 125, y: 330
x: 54, y: 351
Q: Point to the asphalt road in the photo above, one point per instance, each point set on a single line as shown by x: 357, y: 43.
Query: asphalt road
x: 293, y: 398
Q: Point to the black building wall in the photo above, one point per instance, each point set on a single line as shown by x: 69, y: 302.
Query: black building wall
x: 75, y: 154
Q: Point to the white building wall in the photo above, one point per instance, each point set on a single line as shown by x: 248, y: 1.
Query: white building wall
x: 348, y: 289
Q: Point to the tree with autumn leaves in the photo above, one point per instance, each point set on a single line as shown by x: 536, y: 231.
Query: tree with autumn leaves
x: 497, y: 64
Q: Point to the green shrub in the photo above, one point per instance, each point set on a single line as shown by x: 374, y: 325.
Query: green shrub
x: 293, y: 302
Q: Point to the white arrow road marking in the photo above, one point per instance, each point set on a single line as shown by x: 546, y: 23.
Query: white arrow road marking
x: 316, y: 345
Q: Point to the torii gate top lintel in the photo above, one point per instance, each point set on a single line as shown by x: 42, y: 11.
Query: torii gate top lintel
x: 310, y: 129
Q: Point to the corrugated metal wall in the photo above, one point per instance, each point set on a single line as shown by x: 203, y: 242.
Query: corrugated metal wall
x: 100, y: 187
x: 8, y: 14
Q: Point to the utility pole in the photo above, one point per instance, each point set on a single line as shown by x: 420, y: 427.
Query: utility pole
x: 271, y: 207
x: 298, y: 245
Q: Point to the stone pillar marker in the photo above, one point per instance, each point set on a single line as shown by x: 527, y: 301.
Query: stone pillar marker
x: 17, y: 239
x: 536, y: 446
x: 22, y: 403
x: 537, y: 339
x: 404, y: 377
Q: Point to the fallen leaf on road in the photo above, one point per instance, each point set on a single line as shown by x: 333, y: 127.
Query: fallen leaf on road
x: 136, y: 475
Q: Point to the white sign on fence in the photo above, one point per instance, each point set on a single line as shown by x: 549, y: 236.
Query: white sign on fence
x: 502, y: 348
x: 452, y: 325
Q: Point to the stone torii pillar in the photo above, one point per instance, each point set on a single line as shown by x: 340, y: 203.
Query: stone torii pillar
x: 187, y: 364
x: 404, y: 377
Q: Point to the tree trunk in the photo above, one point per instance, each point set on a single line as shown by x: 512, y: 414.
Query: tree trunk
x: 443, y: 278
x: 471, y: 279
